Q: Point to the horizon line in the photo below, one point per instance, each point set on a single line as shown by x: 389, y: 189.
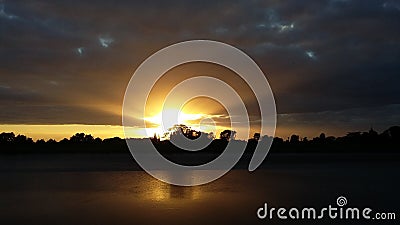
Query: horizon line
x: 118, y: 132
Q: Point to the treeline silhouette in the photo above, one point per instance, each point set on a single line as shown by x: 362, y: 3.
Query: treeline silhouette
x: 368, y: 142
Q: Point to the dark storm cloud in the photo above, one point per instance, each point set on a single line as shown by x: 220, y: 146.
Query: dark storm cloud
x: 319, y: 56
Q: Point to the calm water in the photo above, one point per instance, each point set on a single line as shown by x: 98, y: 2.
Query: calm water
x: 80, y: 189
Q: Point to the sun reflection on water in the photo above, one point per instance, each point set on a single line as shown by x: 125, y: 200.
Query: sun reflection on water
x: 159, y: 191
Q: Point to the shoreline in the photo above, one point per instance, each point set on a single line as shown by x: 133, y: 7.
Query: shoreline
x: 47, y: 162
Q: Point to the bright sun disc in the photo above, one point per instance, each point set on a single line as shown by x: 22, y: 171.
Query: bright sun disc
x: 170, y: 120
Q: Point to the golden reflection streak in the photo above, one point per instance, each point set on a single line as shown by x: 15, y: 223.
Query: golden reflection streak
x: 160, y: 191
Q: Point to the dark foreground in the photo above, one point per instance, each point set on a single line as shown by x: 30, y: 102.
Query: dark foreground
x: 112, y: 189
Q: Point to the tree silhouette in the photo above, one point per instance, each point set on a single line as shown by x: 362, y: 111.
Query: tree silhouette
x: 256, y: 136
x: 7, y: 137
x: 228, y: 135
x: 369, y: 141
x: 294, y: 139
x: 82, y: 138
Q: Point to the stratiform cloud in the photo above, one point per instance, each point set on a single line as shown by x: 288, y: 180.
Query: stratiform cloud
x: 319, y: 56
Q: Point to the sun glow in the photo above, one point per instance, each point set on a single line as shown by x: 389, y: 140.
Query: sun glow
x: 160, y: 123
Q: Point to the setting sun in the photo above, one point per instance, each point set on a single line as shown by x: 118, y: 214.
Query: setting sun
x: 160, y: 123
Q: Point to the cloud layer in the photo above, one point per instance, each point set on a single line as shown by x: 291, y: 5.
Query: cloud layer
x: 70, y: 61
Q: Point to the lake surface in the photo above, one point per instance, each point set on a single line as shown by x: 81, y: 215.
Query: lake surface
x: 111, y: 189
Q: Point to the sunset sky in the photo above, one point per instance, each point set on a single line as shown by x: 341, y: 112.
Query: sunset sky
x: 333, y: 65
